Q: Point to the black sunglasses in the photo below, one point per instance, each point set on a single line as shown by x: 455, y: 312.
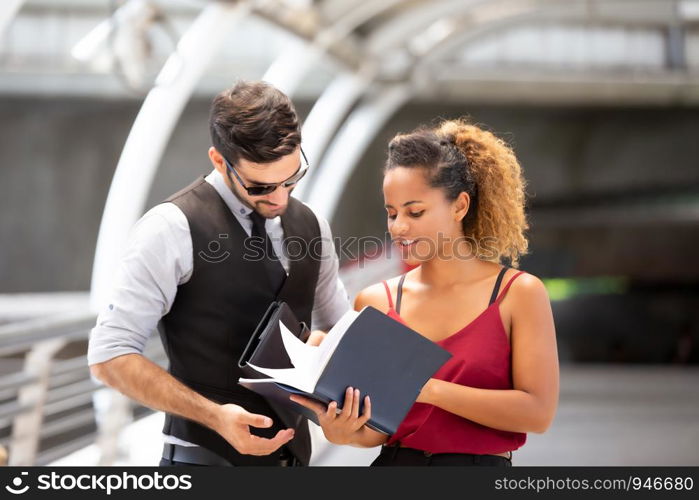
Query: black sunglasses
x: 263, y: 189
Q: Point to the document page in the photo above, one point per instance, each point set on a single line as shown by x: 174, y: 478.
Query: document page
x: 308, y: 361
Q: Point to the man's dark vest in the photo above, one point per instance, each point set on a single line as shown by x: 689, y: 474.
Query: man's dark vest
x: 216, y: 311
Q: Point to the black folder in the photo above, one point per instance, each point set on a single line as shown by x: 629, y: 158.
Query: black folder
x: 265, y: 347
x: 376, y: 354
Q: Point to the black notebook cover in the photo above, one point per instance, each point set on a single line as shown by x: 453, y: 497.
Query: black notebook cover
x: 377, y: 354
x: 384, y: 359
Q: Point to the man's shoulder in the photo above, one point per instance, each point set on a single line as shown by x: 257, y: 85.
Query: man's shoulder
x: 185, y: 190
x: 163, y: 219
x: 165, y: 210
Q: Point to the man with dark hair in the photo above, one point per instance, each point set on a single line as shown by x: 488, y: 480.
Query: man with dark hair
x: 204, y: 266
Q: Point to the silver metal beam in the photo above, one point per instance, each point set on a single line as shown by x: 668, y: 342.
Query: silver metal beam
x: 324, y: 119
x: 150, y: 133
x: 8, y: 10
x: 505, y: 14
x: 350, y: 143
x: 289, y: 69
x: 397, y: 30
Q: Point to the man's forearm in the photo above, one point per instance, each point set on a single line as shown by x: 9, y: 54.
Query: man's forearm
x: 142, y: 380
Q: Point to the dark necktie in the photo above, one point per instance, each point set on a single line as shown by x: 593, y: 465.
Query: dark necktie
x: 300, y: 446
x: 274, y: 268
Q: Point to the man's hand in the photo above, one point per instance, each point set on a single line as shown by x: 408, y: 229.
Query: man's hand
x: 316, y: 337
x: 165, y: 393
x: 234, y: 425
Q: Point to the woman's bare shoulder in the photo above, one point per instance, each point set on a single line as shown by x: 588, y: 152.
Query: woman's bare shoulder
x: 527, y: 289
x: 375, y: 295
x: 526, y: 283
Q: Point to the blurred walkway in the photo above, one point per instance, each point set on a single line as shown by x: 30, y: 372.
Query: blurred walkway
x: 608, y: 415
x: 621, y: 415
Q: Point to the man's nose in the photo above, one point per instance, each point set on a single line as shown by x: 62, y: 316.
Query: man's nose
x: 279, y: 196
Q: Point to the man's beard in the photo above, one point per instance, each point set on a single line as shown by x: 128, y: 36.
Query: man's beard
x: 270, y: 211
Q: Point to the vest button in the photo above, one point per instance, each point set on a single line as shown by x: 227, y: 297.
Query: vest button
x: 427, y: 453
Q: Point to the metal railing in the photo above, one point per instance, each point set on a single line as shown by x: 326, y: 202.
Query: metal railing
x: 47, y: 396
x: 50, y: 405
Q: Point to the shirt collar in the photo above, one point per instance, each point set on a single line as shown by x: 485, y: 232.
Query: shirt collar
x: 234, y: 203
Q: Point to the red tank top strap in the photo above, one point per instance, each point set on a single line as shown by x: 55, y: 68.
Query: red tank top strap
x: 507, y: 287
x: 388, y: 294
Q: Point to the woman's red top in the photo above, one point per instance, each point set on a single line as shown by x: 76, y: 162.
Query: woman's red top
x: 481, y: 358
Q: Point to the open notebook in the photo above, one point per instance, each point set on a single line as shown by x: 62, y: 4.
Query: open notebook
x: 366, y: 350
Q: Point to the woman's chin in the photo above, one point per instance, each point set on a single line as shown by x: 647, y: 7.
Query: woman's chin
x: 409, y: 254
x: 411, y: 260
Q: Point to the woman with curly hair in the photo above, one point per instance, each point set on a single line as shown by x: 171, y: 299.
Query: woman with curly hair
x: 454, y: 196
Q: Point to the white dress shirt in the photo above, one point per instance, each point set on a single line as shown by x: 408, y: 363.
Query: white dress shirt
x: 158, y: 258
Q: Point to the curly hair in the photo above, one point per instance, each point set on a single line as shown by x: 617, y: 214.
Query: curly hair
x: 255, y: 121
x: 461, y: 157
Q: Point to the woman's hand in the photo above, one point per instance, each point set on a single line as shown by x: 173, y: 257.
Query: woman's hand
x: 343, y: 427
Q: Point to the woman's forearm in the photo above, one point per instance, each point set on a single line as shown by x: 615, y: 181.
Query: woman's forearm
x: 367, y: 438
x: 508, y: 410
